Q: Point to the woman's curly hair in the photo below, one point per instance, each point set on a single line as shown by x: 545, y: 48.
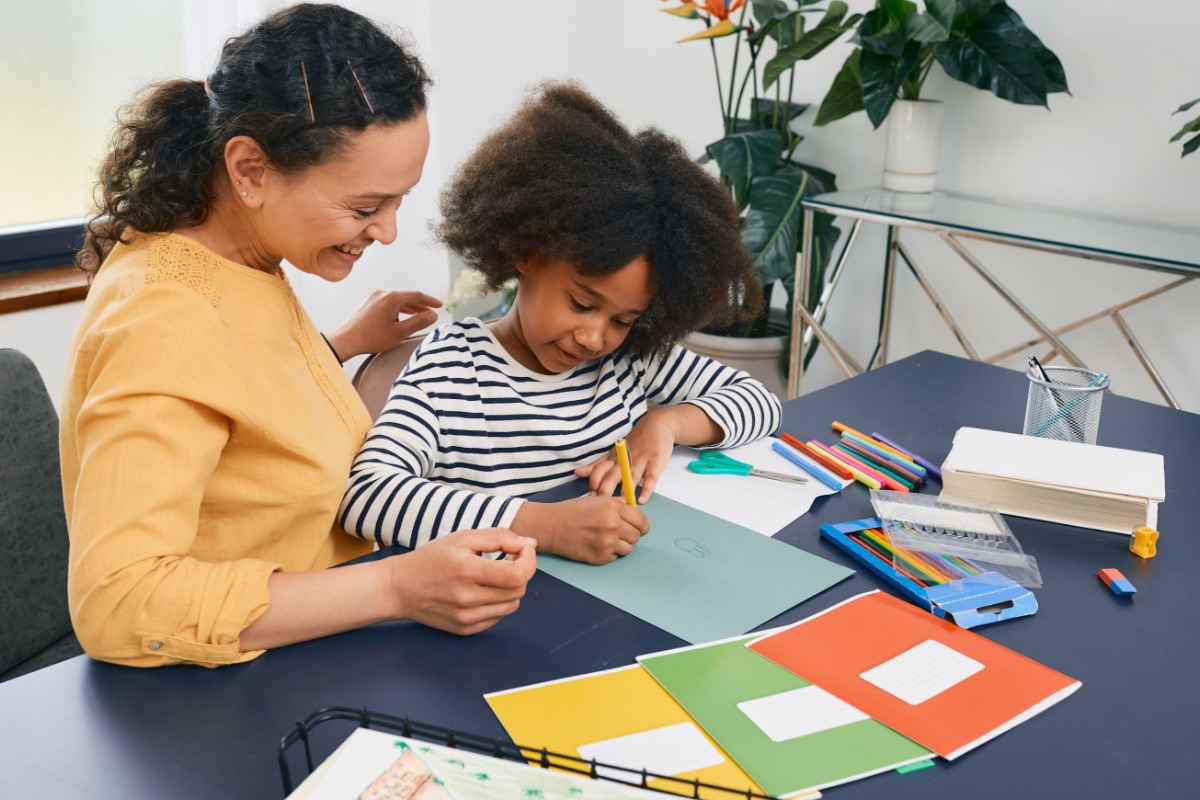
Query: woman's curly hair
x: 565, y: 180
x: 299, y: 83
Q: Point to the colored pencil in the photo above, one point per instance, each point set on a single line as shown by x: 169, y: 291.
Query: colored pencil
x: 902, y: 556
x: 885, y: 557
x: 928, y: 465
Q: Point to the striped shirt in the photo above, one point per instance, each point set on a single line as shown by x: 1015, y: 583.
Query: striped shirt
x: 467, y: 431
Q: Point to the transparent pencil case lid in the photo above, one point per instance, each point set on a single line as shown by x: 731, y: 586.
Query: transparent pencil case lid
x: 939, y: 532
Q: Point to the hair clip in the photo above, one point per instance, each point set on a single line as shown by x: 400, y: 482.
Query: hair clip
x: 360, y: 88
x: 304, y: 72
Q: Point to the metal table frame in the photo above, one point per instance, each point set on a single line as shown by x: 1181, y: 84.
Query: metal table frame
x: 867, y: 206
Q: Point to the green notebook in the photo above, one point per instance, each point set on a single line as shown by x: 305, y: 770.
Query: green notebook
x: 700, y: 577
x: 788, y: 735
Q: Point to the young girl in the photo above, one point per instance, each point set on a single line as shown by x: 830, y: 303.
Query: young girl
x: 622, y: 245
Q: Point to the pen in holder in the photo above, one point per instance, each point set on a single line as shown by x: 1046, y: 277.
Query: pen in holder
x: 1064, y: 403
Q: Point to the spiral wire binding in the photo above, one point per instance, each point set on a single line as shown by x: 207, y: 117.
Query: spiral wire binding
x: 497, y: 748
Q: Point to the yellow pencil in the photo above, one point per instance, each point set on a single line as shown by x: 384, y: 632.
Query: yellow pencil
x: 626, y: 472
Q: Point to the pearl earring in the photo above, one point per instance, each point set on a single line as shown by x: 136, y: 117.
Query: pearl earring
x: 243, y: 192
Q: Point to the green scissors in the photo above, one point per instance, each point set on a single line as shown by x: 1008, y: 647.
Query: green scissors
x: 712, y: 462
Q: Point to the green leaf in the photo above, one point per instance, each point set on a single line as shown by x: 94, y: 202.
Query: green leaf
x: 965, y: 12
x: 1052, y: 68
x: 845, y: 95
x: 881, y: 33
x: 994, y: 56
x: 1191, y: 127
x: 943, y: 12
x: 765, y: 114
x: 1191, y: 145
x: 926, y: 28
x: 1186, y: 106
x: 882, y: 77
x: 771, y: 227
x: 767, y: 10
x: 741, y: 157
x: 809, y: 44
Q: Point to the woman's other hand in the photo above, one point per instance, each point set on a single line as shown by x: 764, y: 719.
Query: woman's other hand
x: 375, y: 325
x: 446, y: 584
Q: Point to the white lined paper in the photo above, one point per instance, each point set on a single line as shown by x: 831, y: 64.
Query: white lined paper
x: 667, y: 751
x: 799, y: 712
x: 922, y: 672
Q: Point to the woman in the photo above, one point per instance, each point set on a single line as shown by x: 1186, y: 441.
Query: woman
x: 207, y: 430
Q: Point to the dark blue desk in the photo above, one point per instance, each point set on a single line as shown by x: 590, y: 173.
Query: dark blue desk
x: 94, y: 730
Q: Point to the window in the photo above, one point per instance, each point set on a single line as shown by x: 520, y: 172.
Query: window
x: 68, y: 65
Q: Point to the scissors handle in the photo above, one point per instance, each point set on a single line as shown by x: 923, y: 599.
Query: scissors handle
x: 718, y: 468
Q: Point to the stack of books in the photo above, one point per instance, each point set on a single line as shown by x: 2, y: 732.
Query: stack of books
x: 1088, y: 486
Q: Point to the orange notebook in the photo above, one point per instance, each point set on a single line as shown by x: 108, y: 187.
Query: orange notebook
x: 940, y: 685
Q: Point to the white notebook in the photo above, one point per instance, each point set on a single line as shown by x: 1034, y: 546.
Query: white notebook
x: 1106, y: 488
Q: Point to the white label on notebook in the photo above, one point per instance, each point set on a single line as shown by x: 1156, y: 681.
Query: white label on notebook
x: 922, y: 672
x: 799, y: 712
x: 666, y: 751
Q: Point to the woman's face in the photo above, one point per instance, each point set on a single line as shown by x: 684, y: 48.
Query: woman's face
x: 321, y: 219
x: 562, y: 317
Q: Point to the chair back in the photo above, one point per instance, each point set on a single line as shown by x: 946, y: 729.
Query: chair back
x: 35, y: 623
x: 377, y: 373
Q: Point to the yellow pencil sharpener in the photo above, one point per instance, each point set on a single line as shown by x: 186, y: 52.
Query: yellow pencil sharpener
x: 1142, y: 542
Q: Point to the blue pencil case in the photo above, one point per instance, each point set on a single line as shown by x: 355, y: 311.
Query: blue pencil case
x: 968, y: 602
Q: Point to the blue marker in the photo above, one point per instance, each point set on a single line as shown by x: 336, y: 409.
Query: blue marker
x: 806, y: 465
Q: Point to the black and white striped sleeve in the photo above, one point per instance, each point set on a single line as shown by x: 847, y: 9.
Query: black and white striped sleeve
x: 389, y: 499
x: 743, y: 407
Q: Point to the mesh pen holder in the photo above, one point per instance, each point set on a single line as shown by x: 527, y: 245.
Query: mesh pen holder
x: 1067, y: 407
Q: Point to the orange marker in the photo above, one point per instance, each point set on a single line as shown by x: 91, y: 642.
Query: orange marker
x: 884, y: 480
x: 840, y: 428
x: 836, y: 467
x: 858, y: 474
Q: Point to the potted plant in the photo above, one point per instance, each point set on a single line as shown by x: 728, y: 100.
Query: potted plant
x: 754, y: 155
x: 983, y: 43
x: 1192, y: 144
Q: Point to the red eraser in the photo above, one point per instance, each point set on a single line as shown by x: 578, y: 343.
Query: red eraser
x: 1115, y: 581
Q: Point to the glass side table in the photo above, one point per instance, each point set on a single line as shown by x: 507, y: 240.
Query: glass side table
x: 953, y: 218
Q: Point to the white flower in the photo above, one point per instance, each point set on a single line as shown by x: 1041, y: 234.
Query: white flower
x: 470, y: 284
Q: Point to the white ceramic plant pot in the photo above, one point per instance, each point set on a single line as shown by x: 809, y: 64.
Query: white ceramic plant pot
x: 910, y: 162
x: 762, y: 357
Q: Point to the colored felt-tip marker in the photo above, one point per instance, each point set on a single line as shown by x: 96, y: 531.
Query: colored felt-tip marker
x: 858, y: 474
x: 929, y: 466
x: 626, y: 472
x: 842, y: 428
x: 807, y: 465
x: 833, y: 465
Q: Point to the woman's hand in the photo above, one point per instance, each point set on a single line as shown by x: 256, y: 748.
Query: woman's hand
x: 446, y: 584
x: 375, y: 325
x: 595, y: 530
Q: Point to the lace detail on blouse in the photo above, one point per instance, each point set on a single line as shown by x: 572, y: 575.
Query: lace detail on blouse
x: 175, y: 259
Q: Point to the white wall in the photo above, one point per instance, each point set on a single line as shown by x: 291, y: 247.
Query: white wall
x: 1103, y: 149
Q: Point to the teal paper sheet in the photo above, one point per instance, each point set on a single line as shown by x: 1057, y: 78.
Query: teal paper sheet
x: 700, y: 577
x: 711, y: 680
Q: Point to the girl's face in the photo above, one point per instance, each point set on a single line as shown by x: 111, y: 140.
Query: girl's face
x: 321, y: 219
x: 562, y: 317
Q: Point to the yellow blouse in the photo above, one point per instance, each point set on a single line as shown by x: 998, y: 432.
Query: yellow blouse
x: 207, y: 432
